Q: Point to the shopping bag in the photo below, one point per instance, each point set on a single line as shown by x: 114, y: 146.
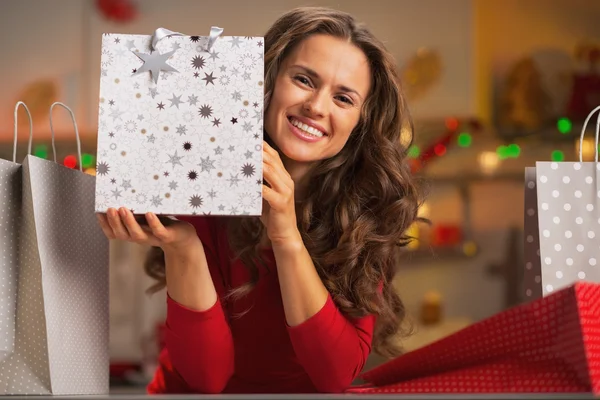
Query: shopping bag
x: 61, y: 339
x: 549, y: 345
x: 10, y: 208
x: 181, y: 124
x: 562, y: 223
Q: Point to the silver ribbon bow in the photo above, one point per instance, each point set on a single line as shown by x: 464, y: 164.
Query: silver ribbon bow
x: 162, y: 33
x: 156, y: 62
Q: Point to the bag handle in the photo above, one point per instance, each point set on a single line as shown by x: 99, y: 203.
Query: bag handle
x: 583, y: 134
x: 20, y: 103
x: 58, y: 103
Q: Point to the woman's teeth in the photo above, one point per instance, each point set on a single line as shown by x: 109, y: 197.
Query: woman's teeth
x: 308, y: 129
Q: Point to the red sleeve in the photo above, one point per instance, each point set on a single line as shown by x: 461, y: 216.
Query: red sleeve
x: 331, y: 348
x: 199, y: 345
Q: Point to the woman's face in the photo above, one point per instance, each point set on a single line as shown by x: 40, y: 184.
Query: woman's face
x: 316, y: 102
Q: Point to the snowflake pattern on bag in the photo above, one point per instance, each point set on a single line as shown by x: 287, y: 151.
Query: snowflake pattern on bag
x: 189, y: 144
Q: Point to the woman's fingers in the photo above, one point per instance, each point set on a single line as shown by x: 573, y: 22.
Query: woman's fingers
x: 275, y: 173
x: 136, y: 233
x: 105, y: 226
x: 115, y: 222
x: 158, y: 229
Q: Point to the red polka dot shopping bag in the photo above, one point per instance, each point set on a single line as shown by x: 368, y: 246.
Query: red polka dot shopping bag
x: 551, y: 344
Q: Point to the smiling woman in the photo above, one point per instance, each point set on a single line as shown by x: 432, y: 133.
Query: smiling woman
x: 294, y: 301
x: 319, y: 93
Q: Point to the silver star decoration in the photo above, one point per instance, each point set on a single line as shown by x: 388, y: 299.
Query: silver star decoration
x: 136, y: 85
x: 193, y: 99
x: 246, y: 76
x: 233, y: 180
x: 235, y: 72
x: 248, y: 154
x: 175, y: 101
x: 130, y: 45
x: 140, y: 117
x: 126, y: 184
x: 235, y: 42
x: 152, y: 92
x: 236, y: 95
x: 175, y: 159
x: 206, y: 164
x: 232, y: 148
x: 156, y: 201
x: 155, y: 62
x: 258, y: 115
x: 103, y: 72
x: 181, y: 129
x: 116, y: 114
x: 212, y: 194
x: 213, y: 55
x: 218, y: 150
x: 247, y: 126
x: 173, y: 185
x: 221, y: 207
x: 233, y: 210
x: 151, y: 138
x: 223, y: 68
x: 116, y: 193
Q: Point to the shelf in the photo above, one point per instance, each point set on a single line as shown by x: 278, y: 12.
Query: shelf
x: 437, y: 254
x: 473, y: 178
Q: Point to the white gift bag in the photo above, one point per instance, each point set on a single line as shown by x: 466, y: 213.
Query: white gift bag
x: 61, y: 336
x: 562, y: 222
x: 181, y: 124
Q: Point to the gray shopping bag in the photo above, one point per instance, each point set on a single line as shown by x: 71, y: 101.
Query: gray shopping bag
x: 563, y: 200
x: 61, y: 343
x: 10, y: 209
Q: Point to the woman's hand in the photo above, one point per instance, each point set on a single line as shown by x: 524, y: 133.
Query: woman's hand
x: 279, y: 215
x: 123, y: 225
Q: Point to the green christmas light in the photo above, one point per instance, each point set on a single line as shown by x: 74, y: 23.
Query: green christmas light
x: 558, y: 155
x: 41, y: 151
x: 514, y: 150
x: 502, y: 152
x: 414, y: 151
x: 564, y: 125
x: 88, y: 160
x: 464, y: 139
x: 511, y: 151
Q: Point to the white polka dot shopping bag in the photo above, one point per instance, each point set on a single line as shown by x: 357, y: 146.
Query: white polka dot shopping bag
x: 549, y: 345
x: 180, y: 124
x: 10, y: 207
x: 562, y: 223
x: 61, y: 326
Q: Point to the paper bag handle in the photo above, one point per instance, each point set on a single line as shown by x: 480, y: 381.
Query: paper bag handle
x: 583, y: 134
x: 20, y: 103
x: 58, y: 103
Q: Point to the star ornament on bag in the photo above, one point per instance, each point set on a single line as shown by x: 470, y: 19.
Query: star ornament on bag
x: 155, y: 62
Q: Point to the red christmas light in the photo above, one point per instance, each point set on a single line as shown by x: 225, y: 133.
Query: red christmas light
x: 117, y: 10
x: 70, y: 161
x: 452, y: 124
x: 439, y: 149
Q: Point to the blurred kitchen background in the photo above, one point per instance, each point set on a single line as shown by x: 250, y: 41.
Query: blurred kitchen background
x: 493, y: 87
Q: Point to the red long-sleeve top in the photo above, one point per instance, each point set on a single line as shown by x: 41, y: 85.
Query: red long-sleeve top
x: 246, y: 346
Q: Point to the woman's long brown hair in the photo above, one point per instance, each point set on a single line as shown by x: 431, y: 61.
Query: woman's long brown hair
x: 360, y: 202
